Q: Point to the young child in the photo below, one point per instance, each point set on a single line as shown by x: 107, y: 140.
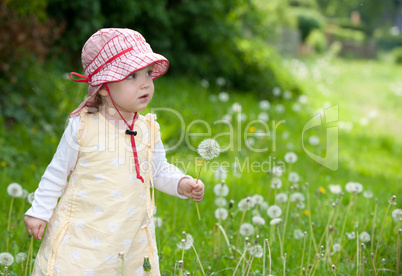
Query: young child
x: 112, y: 157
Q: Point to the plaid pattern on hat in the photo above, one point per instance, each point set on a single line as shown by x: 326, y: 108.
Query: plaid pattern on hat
x: 113, y: 54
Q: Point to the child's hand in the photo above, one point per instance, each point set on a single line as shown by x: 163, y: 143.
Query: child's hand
x: 35, y: 226
x: 189, y: 188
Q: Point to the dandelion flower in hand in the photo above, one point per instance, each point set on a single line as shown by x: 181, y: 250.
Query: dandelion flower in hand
x: 209, y: 149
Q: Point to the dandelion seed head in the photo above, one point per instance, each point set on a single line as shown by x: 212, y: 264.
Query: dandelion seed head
x: 314, y: 140
x: 20, y: 257
x: 187, y: 244
x: 294, y: 177
x: 223, y: 96
x: 290, y: 157
x: 258, y: 199
x: 274, y: 211
x: 397, y: 214
x: 221, y: 214
x: 281, y: 197
x: 257, y: 220
x: 368, y: 194
x: 335, y: 189
x: 246, y: 229
x: 15, y: 190
x: 277, y: 171
x: 298, y: 197
x: 31, y: 197
x: 246, y: 204
x: 276, y: 183
x: 280, y: 108
x: 364, y: 237
x: 264, y: 104
x: 220, y: 81
x: 221, y: 189
x: 256, y: 251
x: 158, y: 221
x: 336, y: 247
x: 208, y: 149
x: 300, y: 205
x: 221, y: 202
x: 263, y: 116
x: 275, y: 221
x: 204, y: 83
x: 236, y: 107
x: 354, y: 187
x: 298, y: 234
x: 6, y: 259
x: 351, y: 235
x: 264, y: 205
x: 221, y: 173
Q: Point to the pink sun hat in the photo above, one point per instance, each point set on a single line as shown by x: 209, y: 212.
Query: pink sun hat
x: 111, y: 55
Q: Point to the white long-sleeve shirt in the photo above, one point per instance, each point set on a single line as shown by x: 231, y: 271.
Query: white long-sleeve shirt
x: 165, y: 176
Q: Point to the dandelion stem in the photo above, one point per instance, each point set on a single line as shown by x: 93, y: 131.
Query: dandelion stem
x: 309, y: 218
x: 357, y: 251
x: 326, y: 228
x: 248, y: 266
x: 382, y: 227
x: 238, y: 234
x: 279, y: 238
x: 372, y: 260
x: 226, y: 237
x: 238, y: 264
x: 9, y: 222
x: 374, y: 224
x: 269, y: 256
x: 354, y: 196
x: 198, y: 259
x: 198, y: 177
x: 398, y: 251
x: 302, y: 259
x: 29, y: 257
x: 286, y: 219
x: 263, y: 260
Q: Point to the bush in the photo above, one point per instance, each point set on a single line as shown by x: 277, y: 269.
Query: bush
x: 343, y: 34
x: 397, y: 55
x: 317, y: 41
x: 308, y: 20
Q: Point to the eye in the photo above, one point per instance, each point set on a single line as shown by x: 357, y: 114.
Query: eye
x: 131, y: 77
x: 149, y: 72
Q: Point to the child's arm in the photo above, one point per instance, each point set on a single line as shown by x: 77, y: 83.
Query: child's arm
x: 53, y: 181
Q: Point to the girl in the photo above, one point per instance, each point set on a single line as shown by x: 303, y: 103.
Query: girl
x: 112, y: 157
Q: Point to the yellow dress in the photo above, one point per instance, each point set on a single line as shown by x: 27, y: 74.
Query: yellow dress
x: 105, y: 214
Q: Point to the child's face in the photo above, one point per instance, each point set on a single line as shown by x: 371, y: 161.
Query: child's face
x: 132, y: 94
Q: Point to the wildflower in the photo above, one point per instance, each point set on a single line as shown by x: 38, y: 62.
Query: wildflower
x: 335, y: 189
x: 158, y: 222
x: 280, y: 108
x: 30, y: 197
x: 336, y: 247
x: 263, y: 116
x: 322, y: 190
x: 221, y: 173
x: 364, y: 237
x: 246, y: 229
x: 290, y: 157
x: 297, y: 197
x: 264, y: 205
x: 147, y: 264
x: 223, y: 96
x: 221, y: 213
x: 20, y: 257
x: 274, y: 211
x: 314, y: 140
x: 276, y: 183
x: 277, y: 171
x: 257, y: 220
x: 368, y: 194
x: 3, y: 163
x: 294, y: 177
x: 220, y: 81
x: 397, y: 214
x: 208, y: 149
x: 251, y: 129
x: 6, y: 259
x: 298, y: 234
x: 258, y: 199
x: 256, y: 251
x: 204, y: 83
x: 275, y: 221
x: 220, y: 201
x: 276, y: 91
x: 306, y: 212
x: 186, y: 243
x: 236, y: 107
x: 221, y: 189
x: 281, y: 197
x: 354, y: 187
x: 246, y: 204
x: 264, y: 104
x: 14, y: 190
x: 351, y: 235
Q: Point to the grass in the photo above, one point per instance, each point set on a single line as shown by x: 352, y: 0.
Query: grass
x: 369, y: 153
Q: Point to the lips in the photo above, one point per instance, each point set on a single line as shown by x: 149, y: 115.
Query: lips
x: 144, y: 97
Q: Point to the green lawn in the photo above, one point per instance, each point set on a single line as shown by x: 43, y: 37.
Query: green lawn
x: 370, y: 123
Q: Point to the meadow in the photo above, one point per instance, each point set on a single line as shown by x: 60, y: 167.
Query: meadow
x: 269, y: 208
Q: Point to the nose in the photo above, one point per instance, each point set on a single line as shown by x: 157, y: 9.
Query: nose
x: 146, y: 83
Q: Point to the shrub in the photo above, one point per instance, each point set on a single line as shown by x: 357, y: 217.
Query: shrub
x: 317, y: 40
x: 343, y: 34
x: 397, y: 55
x: 308, y: 20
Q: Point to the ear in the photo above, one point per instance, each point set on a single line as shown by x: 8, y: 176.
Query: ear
x: 103, y: 91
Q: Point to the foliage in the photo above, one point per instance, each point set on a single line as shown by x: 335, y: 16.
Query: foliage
x: 308, y: 20
x: 318, y: 41
x: 387, y: 41
x: 345, y: 34
x: 397, y: 54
